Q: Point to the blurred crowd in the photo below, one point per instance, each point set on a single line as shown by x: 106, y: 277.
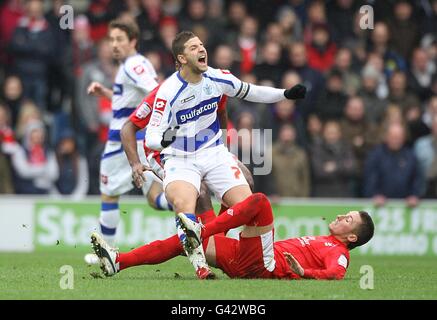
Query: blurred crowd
x: 367, y: 128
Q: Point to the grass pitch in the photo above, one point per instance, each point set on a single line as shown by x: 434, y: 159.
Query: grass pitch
x: 37, y: 276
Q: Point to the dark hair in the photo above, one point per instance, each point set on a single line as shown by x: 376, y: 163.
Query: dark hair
x: 364, y: 231
x: 130, y: 27
x: 177, y: 46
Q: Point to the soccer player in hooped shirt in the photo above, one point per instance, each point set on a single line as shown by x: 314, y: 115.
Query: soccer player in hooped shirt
x: 135, y: 78
x: 185, y: 129
x: 256, y: 254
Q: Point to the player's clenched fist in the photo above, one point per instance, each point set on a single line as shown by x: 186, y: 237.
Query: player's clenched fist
x: 296, y: 92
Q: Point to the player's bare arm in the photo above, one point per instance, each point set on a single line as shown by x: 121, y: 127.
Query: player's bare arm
x: 128, y: 139
x: 99, y: 90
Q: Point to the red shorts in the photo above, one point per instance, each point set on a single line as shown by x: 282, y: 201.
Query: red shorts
x: 247, y: 257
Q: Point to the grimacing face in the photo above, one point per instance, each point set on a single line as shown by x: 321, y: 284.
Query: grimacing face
x: 345, y: 224
x: 121, y: 46
x: 195, y: 56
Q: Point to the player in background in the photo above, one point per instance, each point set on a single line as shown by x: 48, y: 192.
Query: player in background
x: 135, y: 78
x: 185, y: 129
x: 255, y: 254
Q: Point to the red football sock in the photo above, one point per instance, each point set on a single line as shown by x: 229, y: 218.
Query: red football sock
x: 206, y: 217
x: 253, y: 211
x: 153, y: 253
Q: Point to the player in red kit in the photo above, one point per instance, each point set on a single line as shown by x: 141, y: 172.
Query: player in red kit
x: 255, y: 254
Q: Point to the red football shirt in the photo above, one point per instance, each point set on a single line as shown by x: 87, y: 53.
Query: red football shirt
x: 322, y: 257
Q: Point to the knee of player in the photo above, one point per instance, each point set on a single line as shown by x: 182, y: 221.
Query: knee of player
x: 151, y: 199
x: 248, y: 175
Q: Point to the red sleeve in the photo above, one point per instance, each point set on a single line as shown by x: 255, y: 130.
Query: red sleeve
x: 336, y: 263
x: 222, y: 103
x: 141, y: 116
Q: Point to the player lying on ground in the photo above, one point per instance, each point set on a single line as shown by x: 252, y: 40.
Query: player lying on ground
x: 185, y: 129
x: 255, y: 254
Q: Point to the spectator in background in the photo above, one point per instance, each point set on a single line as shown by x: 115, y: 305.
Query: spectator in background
x: 7, y: 137
x: 290, y: 25
x: 100, y: 12
x: 343, y: 63
x: 421, y: 73
x: 357, y: 41
x: 247, y: 44
x: 60, y: 74
x: 33, y: 48
x: 73, y: 167
x: 11, y: 12
x: 196, y: 13
x: 341, y: 17
x: 374, y: 106
x: 88, y: 108
x: 314, y: 130
x: 282, y: 113
x: 430, y: 111
x: 270, y: 68
x: 404, y: 29
x: 223, y: 58
x: 12, y: 95
x: 34, y: 164
x: 289, y: 80
x: 312, y: 79
x: 6, y: 147
x: 376, y: 63
x: 216, y: 23
x: 321, y: 49
x: 29, y: 112
x: 332, y: 100
x: 252, y: 150
x: 237, y: 12
x: 391, y: 170
x: 380, y: 44
x: 290, y: 169
x: 83, y: 49
x: 361, y: 134
x: 168, y: 28
x: 148, y: 22
x: 399, y: 94
x: 425, y: 150
x: 316, y: 14
x: 333, y: 164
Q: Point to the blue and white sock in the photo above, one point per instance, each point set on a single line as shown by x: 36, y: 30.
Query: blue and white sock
x: 109, y: 219
x: 161, y: 202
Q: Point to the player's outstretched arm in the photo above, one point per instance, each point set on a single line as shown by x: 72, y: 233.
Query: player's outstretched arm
x: 129, y: 141
x: 263, y: 94
x: 99, y: 90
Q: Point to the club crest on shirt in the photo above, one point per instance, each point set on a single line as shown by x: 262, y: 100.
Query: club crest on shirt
x: 139, y: 69
x: 207, y: 89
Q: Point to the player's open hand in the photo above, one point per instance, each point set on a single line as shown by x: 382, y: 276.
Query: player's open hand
x: 296, y: 92
x: 138, y: 174
x: 294, y: 264
x: 96, y: 89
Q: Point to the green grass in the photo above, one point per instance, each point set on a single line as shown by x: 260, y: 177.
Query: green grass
x: 37, y: 276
